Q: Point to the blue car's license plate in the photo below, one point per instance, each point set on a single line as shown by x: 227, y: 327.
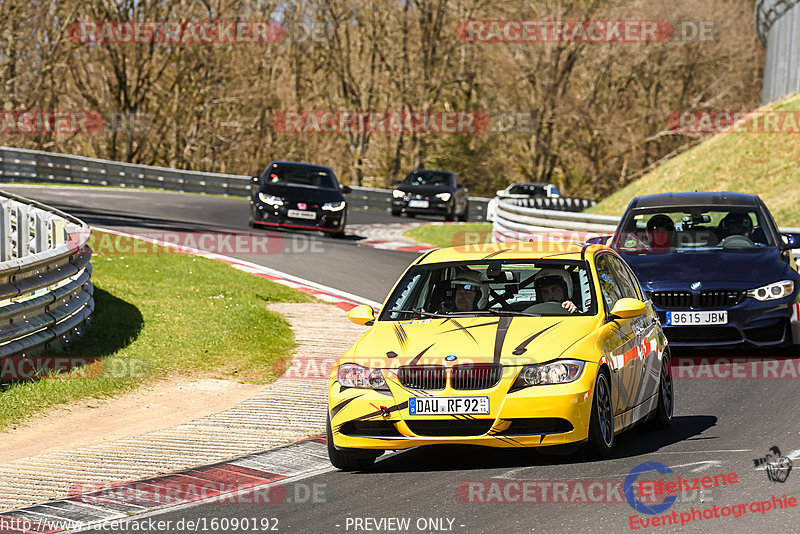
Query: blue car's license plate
x: 689, y: 318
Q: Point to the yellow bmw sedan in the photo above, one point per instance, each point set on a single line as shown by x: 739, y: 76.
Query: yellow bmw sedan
x: 503, y: 345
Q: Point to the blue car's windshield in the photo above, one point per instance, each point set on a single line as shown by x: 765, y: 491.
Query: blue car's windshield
x: 694, y: 228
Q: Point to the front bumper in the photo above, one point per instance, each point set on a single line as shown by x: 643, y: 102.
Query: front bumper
x: 277, y: 216
x: 531, y: 417
x: 436, y: 206
x: 759, y: 324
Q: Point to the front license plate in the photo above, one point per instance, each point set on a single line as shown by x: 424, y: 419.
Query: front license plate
x: 299, y: 214
x: 695, y: 318
x: 418, y: 204
x: 448, y: 405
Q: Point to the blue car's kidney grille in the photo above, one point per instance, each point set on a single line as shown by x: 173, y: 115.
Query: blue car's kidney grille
x: 711, y: 298
x: 720, y: 298
x: 672, y: 299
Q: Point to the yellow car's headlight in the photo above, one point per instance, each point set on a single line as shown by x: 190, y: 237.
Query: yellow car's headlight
x: 352, y: 375
x: 557, y: 372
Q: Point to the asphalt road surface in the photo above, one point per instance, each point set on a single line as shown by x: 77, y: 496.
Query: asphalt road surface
x: 720, y: 427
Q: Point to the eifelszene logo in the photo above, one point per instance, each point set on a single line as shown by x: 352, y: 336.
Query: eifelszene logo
x: 777, y: 467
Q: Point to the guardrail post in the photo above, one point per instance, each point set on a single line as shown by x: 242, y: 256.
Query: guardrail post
x: 41, y: 239
x: 6, y: 249
x: 58, y: 232
x: 23, y: 230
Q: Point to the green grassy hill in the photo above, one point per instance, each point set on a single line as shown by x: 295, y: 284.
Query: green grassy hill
x: 767, y: 164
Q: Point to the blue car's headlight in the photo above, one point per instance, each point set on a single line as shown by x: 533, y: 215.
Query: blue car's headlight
x: 333, y: 206
x: 398, y: 194
x: 773, y: 291
x: 352, y: 375
x: 270, y: 199
x: 557, y: 372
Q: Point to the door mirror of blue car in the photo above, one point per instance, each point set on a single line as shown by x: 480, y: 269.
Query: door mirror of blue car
x: 790, y: 240
x: 599, y: 240
x: 346, y: 190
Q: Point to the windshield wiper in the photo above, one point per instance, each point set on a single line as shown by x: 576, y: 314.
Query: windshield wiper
x: 510, y: 313
x: 419, y: 312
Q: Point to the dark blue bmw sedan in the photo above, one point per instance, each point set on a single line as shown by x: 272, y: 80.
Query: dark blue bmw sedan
x: 715, y: 266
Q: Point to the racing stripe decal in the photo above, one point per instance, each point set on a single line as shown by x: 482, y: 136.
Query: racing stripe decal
x: 402, y: 337
x: 460, y: 327
x: 524, y: 345
x: 336, y: 409
x: 418, y: 356
x: 502, y: 329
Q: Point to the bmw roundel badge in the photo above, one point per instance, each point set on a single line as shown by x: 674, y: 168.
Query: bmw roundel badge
x: 450, y: 358
x: 696, y: 286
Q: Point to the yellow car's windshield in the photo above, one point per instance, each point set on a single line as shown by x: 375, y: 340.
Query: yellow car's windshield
x: 535, y: 288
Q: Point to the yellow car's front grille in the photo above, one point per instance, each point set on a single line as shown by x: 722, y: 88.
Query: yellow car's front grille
x: 425, y: 377
x: 462, y: 377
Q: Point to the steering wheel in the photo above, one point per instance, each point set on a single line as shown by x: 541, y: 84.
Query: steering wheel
x: 737, y: 241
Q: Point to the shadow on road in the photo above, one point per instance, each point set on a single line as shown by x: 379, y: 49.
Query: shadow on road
x: 638, y: 441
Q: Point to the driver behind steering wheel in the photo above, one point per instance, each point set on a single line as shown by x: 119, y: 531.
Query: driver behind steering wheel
x: 554, y: 285
x: 735, y: 223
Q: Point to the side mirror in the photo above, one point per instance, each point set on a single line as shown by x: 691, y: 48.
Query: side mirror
x: 628, y: 308
x: 346, y: 189
x: 501, y: 192
x: 362, y: 315
x: 790, y: 240
x: 599, y: 240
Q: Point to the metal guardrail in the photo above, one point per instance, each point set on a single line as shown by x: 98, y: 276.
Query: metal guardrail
x: 36, y: 166
x: 46, y: 295
x: 778, y: 25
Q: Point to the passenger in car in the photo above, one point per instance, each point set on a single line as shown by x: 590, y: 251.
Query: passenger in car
x: 469, y: 293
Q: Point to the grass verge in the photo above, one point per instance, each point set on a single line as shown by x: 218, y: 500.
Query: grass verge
x: 166, y: 314
x: 761, y: 163
x: 451, y: 235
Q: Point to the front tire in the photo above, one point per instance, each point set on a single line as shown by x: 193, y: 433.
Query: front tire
x: 666, y: 396
x: 348, y: 459
x: 601, y: 421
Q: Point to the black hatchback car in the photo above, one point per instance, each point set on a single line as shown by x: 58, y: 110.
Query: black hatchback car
x: 431, y: 192
x: 716, y: 267
x: 299, y: 195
